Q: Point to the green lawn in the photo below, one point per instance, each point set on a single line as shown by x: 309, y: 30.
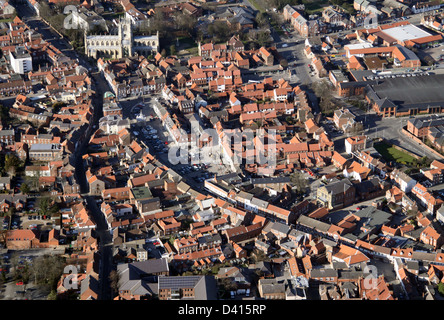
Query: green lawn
x: 313, y: 6
x: 257, y: 5
x: 391, y: 154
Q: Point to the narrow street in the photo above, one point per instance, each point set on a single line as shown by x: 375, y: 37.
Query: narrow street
x: 97, y: 216
x: 101, y: 86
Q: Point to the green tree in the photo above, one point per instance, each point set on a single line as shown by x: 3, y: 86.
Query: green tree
x: 173, y: 50
x: 441, y: 288
x: 47, y: 206
x: 289, y: 120
x: 52, y: 295
x: 25, y: 188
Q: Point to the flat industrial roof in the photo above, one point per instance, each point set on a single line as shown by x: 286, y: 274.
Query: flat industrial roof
x: 411, y: 90
x: 407, y: 32
x: 361, y: 45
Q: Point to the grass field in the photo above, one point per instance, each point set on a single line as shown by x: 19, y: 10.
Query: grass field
x: 258, y: 5
x: 391, y: 154
x: 313, y: 6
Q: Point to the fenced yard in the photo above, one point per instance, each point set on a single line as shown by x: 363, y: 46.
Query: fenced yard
x: 390, y: 153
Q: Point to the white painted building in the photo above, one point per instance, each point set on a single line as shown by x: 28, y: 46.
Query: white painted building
x: 20, y: 60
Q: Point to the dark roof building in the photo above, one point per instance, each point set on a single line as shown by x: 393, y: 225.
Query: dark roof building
x: 187, y: 288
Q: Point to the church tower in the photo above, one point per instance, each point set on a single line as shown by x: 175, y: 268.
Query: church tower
x: 126, y: 37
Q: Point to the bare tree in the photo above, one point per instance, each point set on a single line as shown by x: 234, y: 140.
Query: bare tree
x: 299, y: 181
x: 114, y: 277
x: 324, y: 91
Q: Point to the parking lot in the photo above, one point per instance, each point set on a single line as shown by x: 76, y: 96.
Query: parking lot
x: 33, y: 222
x: 151, y: 132
x: 436, y: 52
x: 16, y: 289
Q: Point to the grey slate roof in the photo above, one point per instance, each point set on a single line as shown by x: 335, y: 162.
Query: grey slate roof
x: 280, y: 227
x: 204, y: 286
x: 313, y: 223
x: 270, y: 180
x: 373, y: 217
x: 270, y: 286
x: 339, y: 186
x: 322, y: 273
x: 259, y: 203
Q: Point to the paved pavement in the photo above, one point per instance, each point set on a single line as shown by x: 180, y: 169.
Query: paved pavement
x: 163, y: 139
x: 390, y: 129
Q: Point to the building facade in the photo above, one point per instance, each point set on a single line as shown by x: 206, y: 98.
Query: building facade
x: 122, y: 44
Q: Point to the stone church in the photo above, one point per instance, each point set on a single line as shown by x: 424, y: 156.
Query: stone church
x: 122, y: 44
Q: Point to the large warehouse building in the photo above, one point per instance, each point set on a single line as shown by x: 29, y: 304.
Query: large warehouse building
x: 410, y: 95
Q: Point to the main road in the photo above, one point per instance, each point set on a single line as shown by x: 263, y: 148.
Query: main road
x: 101, y: 86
